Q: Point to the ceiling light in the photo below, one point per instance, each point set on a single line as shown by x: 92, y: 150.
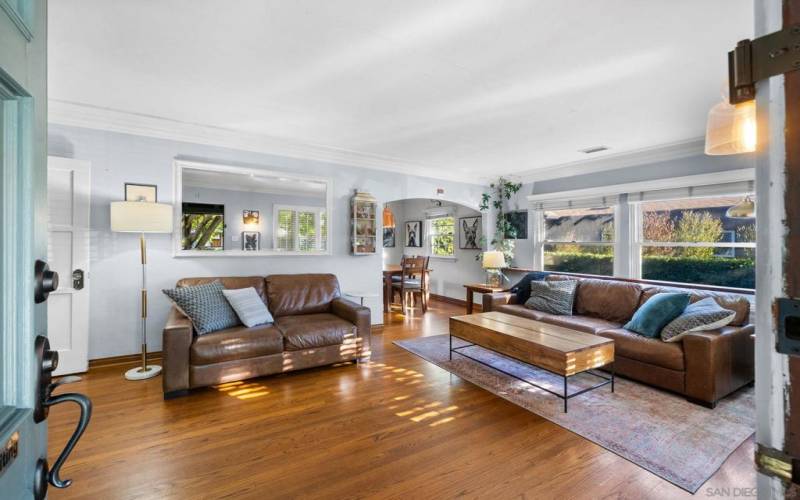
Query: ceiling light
x: 731, y: 129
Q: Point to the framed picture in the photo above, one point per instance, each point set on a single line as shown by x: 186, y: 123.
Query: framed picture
x: 388, y: 237
x: 141, y: 192
x: 414, y: 233
x: 469, y: 233
x: 519, y: 222
x: 251, y: 241
x: 250, y: 216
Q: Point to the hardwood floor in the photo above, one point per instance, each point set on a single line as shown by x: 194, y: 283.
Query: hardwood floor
x: 398, y: 427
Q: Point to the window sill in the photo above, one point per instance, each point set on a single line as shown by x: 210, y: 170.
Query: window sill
x: 439, y: 257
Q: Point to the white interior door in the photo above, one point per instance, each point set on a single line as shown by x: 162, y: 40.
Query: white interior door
x: 68, y: 191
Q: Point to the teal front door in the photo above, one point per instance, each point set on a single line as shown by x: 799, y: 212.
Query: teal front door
x: 23, y: 240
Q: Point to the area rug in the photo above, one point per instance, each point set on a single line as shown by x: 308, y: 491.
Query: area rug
x: 681, y: 442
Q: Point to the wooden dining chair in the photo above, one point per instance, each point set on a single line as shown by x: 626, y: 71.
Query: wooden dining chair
x: 413, y: 283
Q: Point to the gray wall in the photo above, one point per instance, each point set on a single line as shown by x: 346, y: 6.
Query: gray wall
x: 114, y: 261
x: 449, y: 275
x: 237, y: 201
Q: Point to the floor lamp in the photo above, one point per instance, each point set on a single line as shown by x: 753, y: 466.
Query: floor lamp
x: 142, y: 217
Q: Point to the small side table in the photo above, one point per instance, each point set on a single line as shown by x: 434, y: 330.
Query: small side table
x: 361, y: 295
x: 480, y: 288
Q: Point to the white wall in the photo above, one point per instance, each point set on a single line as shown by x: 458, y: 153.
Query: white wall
x: 449, y: 275
x: 114, y: 262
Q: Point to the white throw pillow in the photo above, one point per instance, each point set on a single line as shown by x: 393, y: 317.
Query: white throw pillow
x: 248, y: 306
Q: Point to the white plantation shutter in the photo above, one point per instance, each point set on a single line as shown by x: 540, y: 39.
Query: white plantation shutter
x: 323, y: 231
x: 300, y: 229
x: 307, y: 234
x: 286, y: 233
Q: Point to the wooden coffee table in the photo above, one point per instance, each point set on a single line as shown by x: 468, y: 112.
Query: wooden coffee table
x: 556, y: 349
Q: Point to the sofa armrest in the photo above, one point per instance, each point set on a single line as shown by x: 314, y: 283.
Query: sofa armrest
x: 176, y: 342
x: 492, y: 300
x: 718, y: 362
x: 359, y: 316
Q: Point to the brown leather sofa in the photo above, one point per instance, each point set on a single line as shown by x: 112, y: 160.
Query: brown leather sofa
x: 313, y: 326
x: 704, y: 366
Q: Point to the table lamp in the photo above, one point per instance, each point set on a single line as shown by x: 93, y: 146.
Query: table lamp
x: 494, y: 261
x: 142, y: 217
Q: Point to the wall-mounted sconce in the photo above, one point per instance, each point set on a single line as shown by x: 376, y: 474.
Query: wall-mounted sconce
x: 731, y: 127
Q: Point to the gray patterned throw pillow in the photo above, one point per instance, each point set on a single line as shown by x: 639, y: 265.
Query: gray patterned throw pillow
x: 205, y: 305
x: 554, y: 297
x: 703, y: 315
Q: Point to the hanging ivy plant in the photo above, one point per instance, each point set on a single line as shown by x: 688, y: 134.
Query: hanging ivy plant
x: 499, y: 193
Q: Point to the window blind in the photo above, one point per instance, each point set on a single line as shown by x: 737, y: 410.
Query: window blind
x: 726, y: 189
x: 307, y: 237
x: 593, y: 202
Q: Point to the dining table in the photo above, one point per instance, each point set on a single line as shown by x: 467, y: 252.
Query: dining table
x: 389, y: 271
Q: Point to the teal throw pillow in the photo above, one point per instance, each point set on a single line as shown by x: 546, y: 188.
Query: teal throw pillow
x: 657, y: 313
x: 205, y: 305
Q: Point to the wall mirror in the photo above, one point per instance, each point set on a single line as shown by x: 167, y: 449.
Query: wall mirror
x: 225, y: 210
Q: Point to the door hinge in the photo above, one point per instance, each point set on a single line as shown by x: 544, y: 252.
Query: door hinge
x: 761, y: 58
x: 776, y: 463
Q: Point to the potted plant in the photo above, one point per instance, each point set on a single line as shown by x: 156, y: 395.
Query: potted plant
x: 499, y: 193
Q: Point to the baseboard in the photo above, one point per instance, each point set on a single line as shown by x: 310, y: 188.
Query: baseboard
x: 122, y: 360
x: 459, y: 302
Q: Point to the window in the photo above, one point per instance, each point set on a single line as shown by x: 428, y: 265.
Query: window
x: 579, y: 240
x: 691, y: 240
x: 442, y: 236
x: 203, y: 227
x: 300, y: 229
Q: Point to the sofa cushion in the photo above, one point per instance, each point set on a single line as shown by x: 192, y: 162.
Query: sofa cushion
x: 703, y: 315
x: 520, y: 310
x: 586, y: 324
x: 236, y: 343
x: 732, y: 301
x: 230, y: 283
x: 611, y: 300
x: 248, y: 306
x: 523, y: 287
x: 657, y: 312
x: 307, y: 331
x: 205, y: 305
x: 631, y: 345
x: 554, y: 297
x: 289, y: 294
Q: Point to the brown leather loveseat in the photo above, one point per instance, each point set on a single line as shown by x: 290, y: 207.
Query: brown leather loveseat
x: 313, y: 326
x: 703, y: 366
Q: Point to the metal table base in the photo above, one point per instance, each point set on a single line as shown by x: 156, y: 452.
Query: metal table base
x: 565, y: 396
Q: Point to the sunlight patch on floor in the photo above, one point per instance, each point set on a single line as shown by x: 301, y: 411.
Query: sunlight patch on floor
x: 243, y: 390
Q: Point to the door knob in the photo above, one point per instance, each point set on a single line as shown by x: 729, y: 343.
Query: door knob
x: 46, y: 281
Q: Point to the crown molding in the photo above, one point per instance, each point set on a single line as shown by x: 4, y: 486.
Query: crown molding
x: 98, y: 118
x: 643, y: 156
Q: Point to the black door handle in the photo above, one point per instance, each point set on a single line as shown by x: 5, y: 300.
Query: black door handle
x: 46, y: 281
x: 47, y: 362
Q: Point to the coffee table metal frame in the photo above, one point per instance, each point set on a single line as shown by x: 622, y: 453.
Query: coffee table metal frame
x: 565, y: 396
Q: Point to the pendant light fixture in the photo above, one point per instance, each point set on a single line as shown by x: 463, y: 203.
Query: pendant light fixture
x: 388, y: 217
x: 745, y: 209
x: 731, y: 129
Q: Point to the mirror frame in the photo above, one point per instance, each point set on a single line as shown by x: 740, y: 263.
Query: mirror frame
x: 177, y: 186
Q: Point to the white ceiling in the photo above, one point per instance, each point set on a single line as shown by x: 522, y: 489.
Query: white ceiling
x: 453, y: 88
